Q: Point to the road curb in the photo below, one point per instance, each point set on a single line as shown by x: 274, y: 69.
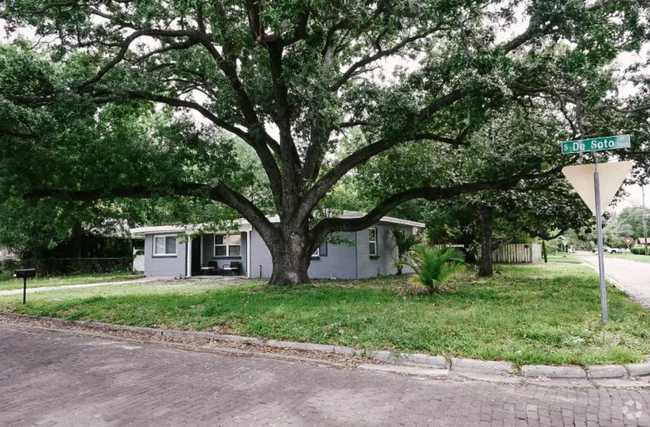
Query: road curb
x: 405, y: 363
x: 547, y: 371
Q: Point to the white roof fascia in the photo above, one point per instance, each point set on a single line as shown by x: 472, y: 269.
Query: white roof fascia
x: 402, y: 222
x: 159, y: 229
x: 246, y: 226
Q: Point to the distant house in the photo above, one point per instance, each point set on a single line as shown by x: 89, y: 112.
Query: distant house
x: 644, y: 243
x: 176, y: 251
x: 6, y: 253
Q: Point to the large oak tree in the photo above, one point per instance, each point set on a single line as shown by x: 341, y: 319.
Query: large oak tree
x: 288, y: 77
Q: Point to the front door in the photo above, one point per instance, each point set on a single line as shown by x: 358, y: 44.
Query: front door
x: 196, y: 256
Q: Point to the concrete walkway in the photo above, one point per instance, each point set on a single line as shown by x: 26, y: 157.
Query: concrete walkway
x: 65, y: 378
x: 632, y: 277
x: 84, y: 285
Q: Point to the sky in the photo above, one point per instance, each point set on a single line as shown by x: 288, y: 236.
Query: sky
x: 633, y: 198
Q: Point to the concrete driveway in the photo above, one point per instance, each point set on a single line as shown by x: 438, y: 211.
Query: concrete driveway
x: 633, y: 277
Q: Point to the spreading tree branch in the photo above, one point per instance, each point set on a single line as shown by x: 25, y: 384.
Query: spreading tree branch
x: 328, y: 225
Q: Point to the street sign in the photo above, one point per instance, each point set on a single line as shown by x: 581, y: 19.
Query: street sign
x: 596, y: 195
x: 612, y: 176
x: 596, y: 144
x: 627, y: 240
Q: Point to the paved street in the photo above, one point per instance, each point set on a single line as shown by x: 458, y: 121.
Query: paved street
x: 632, y: 276
x: 67, y: 378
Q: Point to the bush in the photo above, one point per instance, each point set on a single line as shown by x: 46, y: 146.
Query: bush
x: 639, y: 251
x: 434, y: 266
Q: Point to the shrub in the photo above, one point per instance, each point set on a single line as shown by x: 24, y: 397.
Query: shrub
x: 434, y: 266
x: 639, y: 251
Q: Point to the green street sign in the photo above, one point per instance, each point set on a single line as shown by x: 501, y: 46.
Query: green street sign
x: 596, y: 144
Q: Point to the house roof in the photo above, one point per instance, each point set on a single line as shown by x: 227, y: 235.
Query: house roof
x: 641, y: 242
x: 161, y: 229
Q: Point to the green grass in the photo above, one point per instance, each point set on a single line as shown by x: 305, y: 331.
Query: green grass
x: 8, y: 282
x: 545, y: 313
x: 633, y: 257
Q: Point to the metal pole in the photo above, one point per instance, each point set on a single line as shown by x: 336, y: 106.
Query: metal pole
x: 643, y: 214
x: 24, y: 290
x: 599, y: 232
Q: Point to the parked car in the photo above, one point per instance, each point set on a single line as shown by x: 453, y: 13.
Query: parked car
x: 609, y: 250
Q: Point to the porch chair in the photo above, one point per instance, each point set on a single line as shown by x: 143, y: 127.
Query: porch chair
x: 214, y: 267
x: 232, y: 268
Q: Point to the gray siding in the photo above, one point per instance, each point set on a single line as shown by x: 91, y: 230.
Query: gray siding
x: 165, y: 266
x: 343, y: 261
x: 387, y: 252
x: 260, y: 256
x: 339, y: 262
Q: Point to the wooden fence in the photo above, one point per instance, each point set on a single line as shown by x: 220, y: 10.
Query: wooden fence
x: 513, y: 253
x: 517, y: 253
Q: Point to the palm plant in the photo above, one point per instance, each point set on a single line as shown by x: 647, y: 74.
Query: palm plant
x: 434, y: 266
x: 403, y: 242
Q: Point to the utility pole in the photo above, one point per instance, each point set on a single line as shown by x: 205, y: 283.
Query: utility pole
x: 643, y: 215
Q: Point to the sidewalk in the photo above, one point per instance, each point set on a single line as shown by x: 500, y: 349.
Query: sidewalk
x: 84, y: 285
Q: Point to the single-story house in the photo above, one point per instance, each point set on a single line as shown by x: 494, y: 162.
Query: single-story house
x: 642, y: 242
x: 172, y: 251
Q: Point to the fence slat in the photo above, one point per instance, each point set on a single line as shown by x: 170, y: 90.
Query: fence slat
x: 516, y: 253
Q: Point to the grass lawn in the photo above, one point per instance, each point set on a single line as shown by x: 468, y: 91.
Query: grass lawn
x: 544, y: 313
x: 634, y: 257
x: 8, y: 282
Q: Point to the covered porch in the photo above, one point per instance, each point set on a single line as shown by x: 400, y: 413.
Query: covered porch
x: 220, y: 254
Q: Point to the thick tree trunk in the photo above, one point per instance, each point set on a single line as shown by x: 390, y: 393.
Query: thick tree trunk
x: 291, y: 258
x: 485, y: 264
x: 77, y: 236
x: 289, y: 268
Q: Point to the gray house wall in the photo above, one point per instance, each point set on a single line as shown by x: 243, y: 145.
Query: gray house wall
x: 350, y: 260
x: 339, y: 261
x: 165, y: 266
x: 386, y: 250
x: 260, y: 257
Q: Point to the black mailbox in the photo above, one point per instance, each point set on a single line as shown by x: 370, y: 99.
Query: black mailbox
x: 25, y: 273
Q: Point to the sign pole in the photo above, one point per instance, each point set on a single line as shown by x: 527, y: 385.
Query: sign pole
x: 645, y: 230
x: 599, y: 232
x: 25, y: 290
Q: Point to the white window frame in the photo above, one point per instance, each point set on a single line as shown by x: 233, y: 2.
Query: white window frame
x: 226, y: 244
x: 164, y: 236
x: 373, y: 241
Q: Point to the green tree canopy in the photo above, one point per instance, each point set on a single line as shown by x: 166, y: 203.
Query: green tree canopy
x: 288, y: 77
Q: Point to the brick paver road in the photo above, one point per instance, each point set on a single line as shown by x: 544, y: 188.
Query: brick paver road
x: 64, y: 378
x: 632, y: 276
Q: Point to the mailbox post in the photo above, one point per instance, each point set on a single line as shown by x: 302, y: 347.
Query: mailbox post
x: 25, y: 273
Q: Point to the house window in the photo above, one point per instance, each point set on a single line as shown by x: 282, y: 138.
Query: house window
x: 372, y: 241
x: 164, y: 245
x: 320, y: 251
x: 227, y: 245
